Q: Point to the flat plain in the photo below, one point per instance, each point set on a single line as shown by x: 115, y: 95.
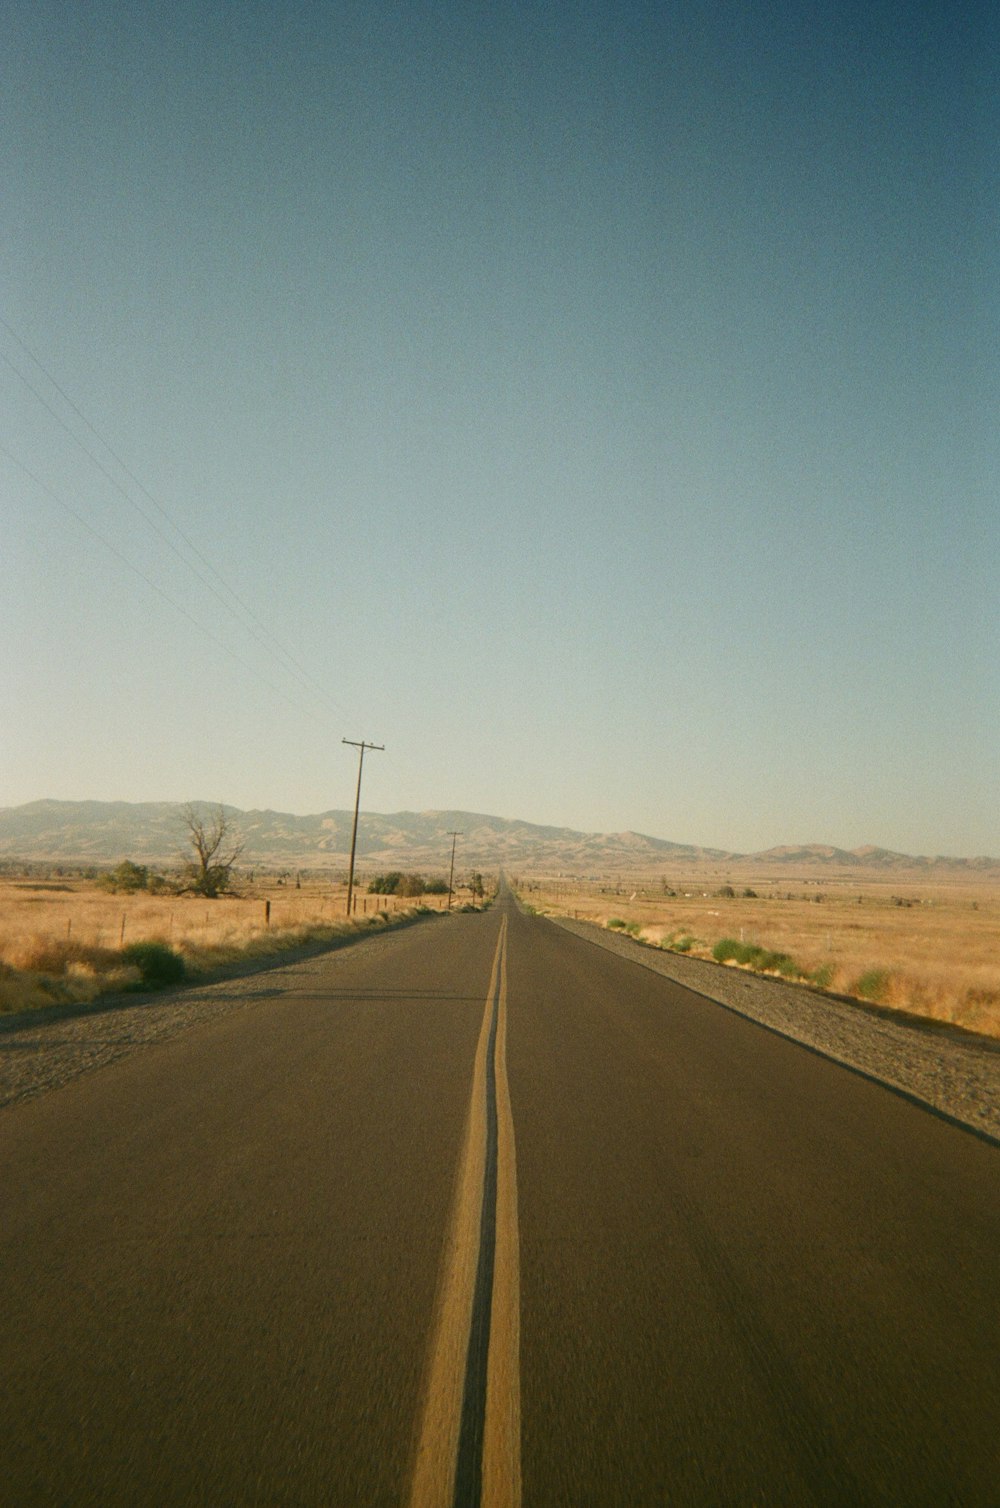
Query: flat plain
x: 924, y: 941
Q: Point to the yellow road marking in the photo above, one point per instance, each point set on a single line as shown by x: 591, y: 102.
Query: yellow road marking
x: 433, y: 1483
x: 502, y: 1434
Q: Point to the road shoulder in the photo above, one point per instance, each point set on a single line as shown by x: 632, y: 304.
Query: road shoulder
x: 43, y: 1049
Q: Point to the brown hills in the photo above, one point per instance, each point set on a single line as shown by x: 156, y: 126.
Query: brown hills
x: 97, y: 833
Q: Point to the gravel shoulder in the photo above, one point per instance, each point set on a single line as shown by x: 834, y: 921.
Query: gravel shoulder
x: 954, y: 1073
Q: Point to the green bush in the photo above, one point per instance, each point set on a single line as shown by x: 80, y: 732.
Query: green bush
x: 682, y: 944
x: 158, y: 965
x: 126, y: 877
x: 873, y: 985
x: 398, y: 883
x: 617, y: 923
x: 754, y: 957
x: 788, y: 968
x: 778, y: 963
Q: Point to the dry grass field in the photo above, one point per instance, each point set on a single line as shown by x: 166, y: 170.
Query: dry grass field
x: 63, y: 940
x: 923, y: 942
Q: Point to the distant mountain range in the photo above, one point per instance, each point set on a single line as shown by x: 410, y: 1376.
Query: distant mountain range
x: 104, y: 832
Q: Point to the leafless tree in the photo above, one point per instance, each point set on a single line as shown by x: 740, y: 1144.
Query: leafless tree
x: 216, y: 846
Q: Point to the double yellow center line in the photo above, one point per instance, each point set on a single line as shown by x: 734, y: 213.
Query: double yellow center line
x: 469, y: 1451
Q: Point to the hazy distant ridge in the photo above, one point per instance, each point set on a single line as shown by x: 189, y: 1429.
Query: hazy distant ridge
x: 102, y: 832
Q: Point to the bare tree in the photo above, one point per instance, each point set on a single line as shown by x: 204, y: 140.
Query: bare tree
x: 216, y: 846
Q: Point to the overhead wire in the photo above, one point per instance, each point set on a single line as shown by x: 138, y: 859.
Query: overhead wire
x: 120, y: 555
x: 254, y: 626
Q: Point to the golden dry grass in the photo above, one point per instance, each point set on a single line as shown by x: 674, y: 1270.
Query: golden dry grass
x: 63, y: 942
x: 936, y: 955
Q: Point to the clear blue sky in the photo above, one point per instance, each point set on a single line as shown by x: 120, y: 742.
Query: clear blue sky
x: 599, y: 402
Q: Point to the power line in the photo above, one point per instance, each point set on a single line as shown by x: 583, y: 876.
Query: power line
x: 119, y: 555
x: 303, y: 678
x: 258, y: 630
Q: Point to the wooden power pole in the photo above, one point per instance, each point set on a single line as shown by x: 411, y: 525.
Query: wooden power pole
x: 454, y: 839
x: 357, y: 803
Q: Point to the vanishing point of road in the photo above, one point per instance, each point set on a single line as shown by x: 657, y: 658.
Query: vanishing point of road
x: 479, y: 1213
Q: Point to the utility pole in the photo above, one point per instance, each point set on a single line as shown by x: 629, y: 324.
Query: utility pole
x: 454, y: 839
x: 357, y: 803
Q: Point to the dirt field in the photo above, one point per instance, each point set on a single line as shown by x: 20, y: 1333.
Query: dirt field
x: 925, y: 942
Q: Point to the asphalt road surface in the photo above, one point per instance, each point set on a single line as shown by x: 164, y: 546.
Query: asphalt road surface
x: 483, y: 1213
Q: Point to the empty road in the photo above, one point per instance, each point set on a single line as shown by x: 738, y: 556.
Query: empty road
x: 482, y: 1213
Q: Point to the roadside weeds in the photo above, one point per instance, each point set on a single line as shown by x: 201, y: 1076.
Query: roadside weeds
x: 65, y: 976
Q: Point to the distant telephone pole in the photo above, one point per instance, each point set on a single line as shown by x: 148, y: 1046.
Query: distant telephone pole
x: 454, y: 839
x: 357, y: 803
